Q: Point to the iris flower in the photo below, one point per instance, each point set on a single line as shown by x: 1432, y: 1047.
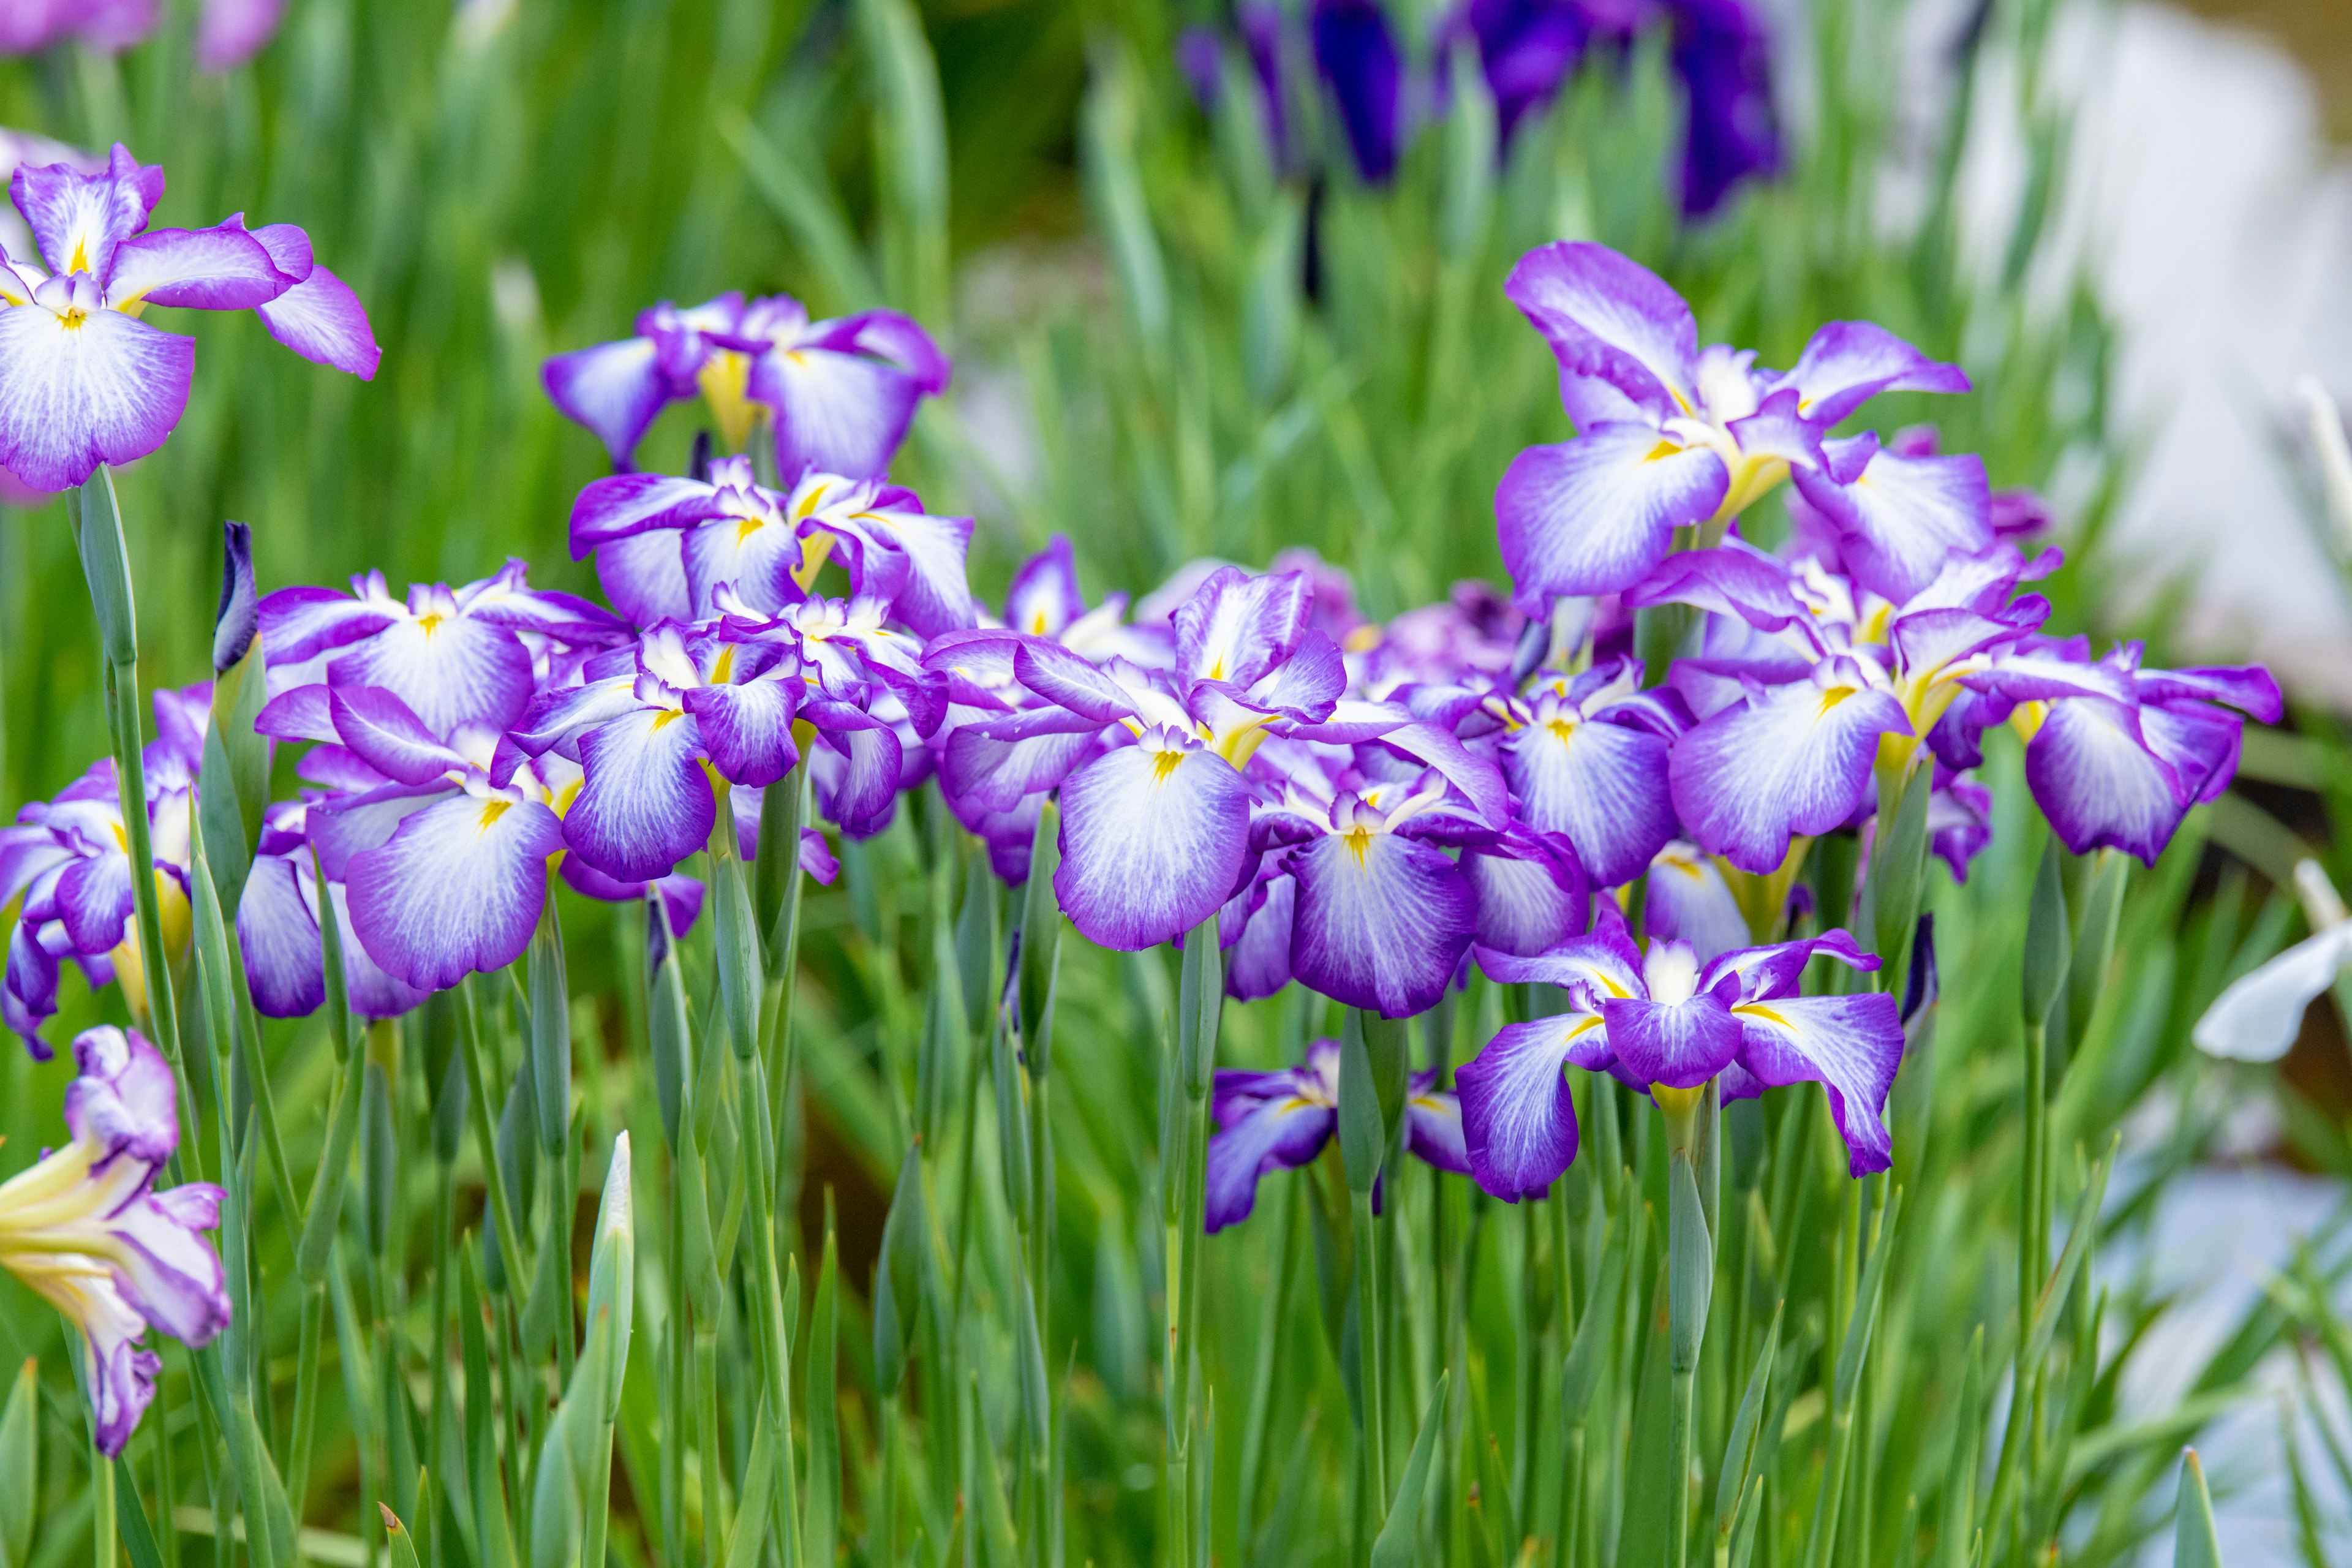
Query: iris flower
x: 1666, y: 1022
x: 1670, y: 437
x: 83, y: 381
x: 1268, y: 1120
x: 840, y: 394
x: 85, y: 1230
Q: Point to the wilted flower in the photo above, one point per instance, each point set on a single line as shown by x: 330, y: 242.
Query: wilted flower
x: 87, y: 1232
x: 1284, y: 1119
x: 90, y: 383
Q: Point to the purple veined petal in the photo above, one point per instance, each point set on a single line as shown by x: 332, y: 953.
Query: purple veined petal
x: 837, y: 413
x: 231, y: 32
x: 507, y: 599
x: 1847, y: 364
x: 891, y: 336
x: 557, y: 718
x: 1479, y: 780
x: 1289, y: 1132
x: 1601, y: 965
x: 1777, y: 430
x: 373, y: 993
x: 858, y: 776
x: 1381, y: 921
x: 166, y: 1271
x: 1959, y: 824
x: 647, y: 804
x: 994, y: 773
x: 1308, y: 682
x: 450, y: 670
x: 1678, y: 1043
x: 300, y: 714
x: 1531, y: 893
x: 622, y: 504
x: 1901, y: 517
x: 1518, y: 1117
x: 106, y: 390
x: 1690, y: 902
x: 1257, y: 962
x: 1356, y: 56
x: 615, y: 389
x: 278, y: 933
x: 1850, y: 1046
x: 299, y: 624
x: 645, y: 576
x: 2250, y: 689
x: 30, y: 997
x: 455, y: 890
x: 1044, y: 596
x: 1795, y: 760
x: 747, y: 730
x: 816, y: 858
x: 756, y: 557
x: 1058, y: 675
x: 381, y: 732
x: 1777, y: 969
x: 1603, y: 785
x: 1153, y: 840
x: 2198, y: 742
x: 1595, y: 515
x: 1433, y: 1127
x: 124, y: 1098
x: 2095, y: 777
x: 2257, y: 1018
x: 79, y: 219
x: 1608, y: 317
x: 119, y: 1377
x: 322, y: 320
x: 340, y: 829
x: 1236, y: 627
x: 94, y: 899
x: 221, y: 268
x: 935, y: 597
x: 289, y: 248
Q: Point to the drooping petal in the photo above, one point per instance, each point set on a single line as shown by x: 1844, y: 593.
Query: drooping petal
x: 935, y: 597
x: 455, y: 890
x: 1593, y: 515
x: 2095, y: 778
x: 165, y: 1270
x: 1847, y: 364
x: 1287, y: 1132
x: 1257, y: 963
x: 341, y: 829
x: 615, y: 389
x: 647, y: 804
x: 278, y: 935
x: 857, y: 775
x: 2257, y: 1018
x: 1381, y: 921
x: 1607, y: 316
x: 1532, y: 892
x: 837, y: 413
x: 746, y: 728
x: 1518, y: 1117
x: 994, y: 773
x: 1850, y: 1045
x: 105, y: 390
x: 645, y: 576
x: 1900, y: 519
x: 79, y: 219
x: 1433, y: 1127
x: 222, y: 269
x: 94, y: 899
x: 1601, y: 785
x: 379, y: 729
x: 322, y: 320
x: 1153, y: 842
x: 1795, y: 760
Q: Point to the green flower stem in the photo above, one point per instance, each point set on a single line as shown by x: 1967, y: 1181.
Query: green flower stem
x: 486, y: 1137
x: 1690, y: 1279
x: 1184, y: 1180
x: 706, y: 1436
x: 306, y: 1396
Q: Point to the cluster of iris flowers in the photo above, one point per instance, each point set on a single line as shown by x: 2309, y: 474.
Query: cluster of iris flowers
x: 1365, y: 810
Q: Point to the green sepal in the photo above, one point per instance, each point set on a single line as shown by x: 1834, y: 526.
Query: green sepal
x: 611, y: 1273
x: 1898, y: 867
x: 1690, y: 1264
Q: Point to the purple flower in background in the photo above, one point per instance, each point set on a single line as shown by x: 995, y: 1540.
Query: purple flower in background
x: 67, y: 866
x: 1687, y: 901
x: 664, y: 545
x: 228, y: 32
x: 231, y: 32
x: 1528, y: 48
x: 85, y: 1229
x: 1666, y: 1020
x: 83, y: 381
x: 1283, y: 1119
x: 1670, y: 437
x: 1356, y: 57
x: 840, y: 394
x: 1724, y: 56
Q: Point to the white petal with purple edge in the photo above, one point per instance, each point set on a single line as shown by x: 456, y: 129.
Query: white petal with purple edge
x: 1595, y: 514
x: 456, y: 891
x: 1285, y: 1131
x: 1603, y: 785
x: 381, y: 732
x: 1432, y: 1126
x: 79, y: 219
x: 2097, y: 780
x: 1381, y: 923
x: 647, y: 803
x: 840, y: 414
x: 1850, y: 1045
x: 1528, y: 902
x: 278, y: 935
x: 1518, y: 1117
x: 1608, y: 316
x: 936, y: 597
x: 321, y: 319
x: 105, y: 391
x: 1153, y: 842
x: 1847, y: 364
x: 1690, y: 902
x: 1258, y: 963
x: 748, y: 729
x: 1681, y: 1045
x: 1235, y: 627
x: 615, y: 389
x: 1901, y: 517
x: 1795, y: 760
x: 450, y: 670
x: 645, y: 576
x: 222, y: 269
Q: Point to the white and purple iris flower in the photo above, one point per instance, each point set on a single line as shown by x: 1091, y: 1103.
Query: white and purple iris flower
x: 664, y: 545
x: 85, y: 1229
x: 1670, y: 437
x: 83, y: 380
x: 1283, y: 1119
x: 66, y: 865
x: 1666, y: 1021
x: 838, y: 394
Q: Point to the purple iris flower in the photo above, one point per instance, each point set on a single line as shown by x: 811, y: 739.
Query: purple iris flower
x: 85, y: 1230
x: 1356, y: 57
x: 1285, y: 1117
x: 840, y: 394
x: 1874, y: 554
x: 86, y: 381
x: 463, y: 655
x: 1670, y: 437
x: 278, y: 929
x: 1724, y: 56
x: 66, y: 864
x: 1687, y: 901
x: 664, y: 545
x: 1666, y: 1020
x: 1528, y: 48
x: 228, y: 32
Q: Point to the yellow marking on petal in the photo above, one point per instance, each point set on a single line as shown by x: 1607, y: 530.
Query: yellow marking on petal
x: 666, y: 718
x: 1835, y: 695
x: 1758, y: 1010
x: 724, y: 378
x: 1663, y: 449
x: 815, y: 549
x: 1560, y: 729
x: 562, y: 803
x: 1592, y: 1021
x: 1363, y: 639
x: 808, y: 508
x: 1752, y: 478
x: 1163, y: 764
x: 2027, y: 719
x: 1038, y: 623
x: 1358, y: 840
x: 80, y: 260
x: 722, y: 671
x: 429, y: 623
x: 492, y: 811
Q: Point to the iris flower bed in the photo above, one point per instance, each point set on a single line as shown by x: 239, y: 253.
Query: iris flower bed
x: 1328, y: 890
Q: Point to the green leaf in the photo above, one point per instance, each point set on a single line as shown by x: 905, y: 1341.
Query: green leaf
x: 821, y: 1516
x: 1740, y: 1450
x: 2079, y: 1236
x: 612, y: 1272
x: 1898, y: 865
x: 898, y: 1275
x: 551, y: 1028
x: 2095, y: 940
x: 1041, y: 943
x: 736, y: 931
x: 2048, y: 945
x: 106, y: 565
x: 20, y: 1461
x: 397, y: 1541
x: 556, y: 1525
x: 1402, y: 1534
x: 325, y: 1207
x: 2195, y: 1542
x: 1364, y: 1133
x: 750, y: 1531
x: 379, y: 1159
x: 1647, y: 1467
